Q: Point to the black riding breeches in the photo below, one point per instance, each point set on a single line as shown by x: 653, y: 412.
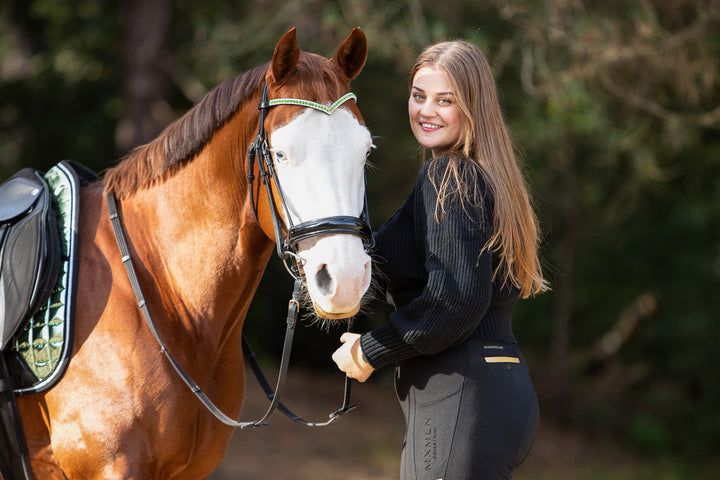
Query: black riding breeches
x: 470, y: 412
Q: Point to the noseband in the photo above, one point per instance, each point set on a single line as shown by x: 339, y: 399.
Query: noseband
x: 288, y: 235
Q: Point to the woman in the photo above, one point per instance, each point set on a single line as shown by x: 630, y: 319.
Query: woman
x: 457, y: 255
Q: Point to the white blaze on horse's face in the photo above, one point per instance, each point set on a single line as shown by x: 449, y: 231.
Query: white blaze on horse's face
x: 320, y: 164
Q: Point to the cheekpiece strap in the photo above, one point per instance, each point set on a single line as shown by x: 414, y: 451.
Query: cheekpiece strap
x: 307, y: 103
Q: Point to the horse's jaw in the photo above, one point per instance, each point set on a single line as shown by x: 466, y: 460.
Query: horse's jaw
x: 337, y: 273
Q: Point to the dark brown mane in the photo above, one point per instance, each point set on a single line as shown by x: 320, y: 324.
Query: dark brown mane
x: 183, y: 138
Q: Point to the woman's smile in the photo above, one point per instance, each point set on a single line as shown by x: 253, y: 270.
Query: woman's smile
x: 428, y: 127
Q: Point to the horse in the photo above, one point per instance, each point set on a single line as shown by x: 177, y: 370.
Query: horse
x: 200, y: 237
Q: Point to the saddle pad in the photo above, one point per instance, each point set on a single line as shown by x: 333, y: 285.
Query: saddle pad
x: 45, y: 342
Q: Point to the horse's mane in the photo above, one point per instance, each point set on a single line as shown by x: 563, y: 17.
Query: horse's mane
x: 184, y: 138
x: 318, y: 79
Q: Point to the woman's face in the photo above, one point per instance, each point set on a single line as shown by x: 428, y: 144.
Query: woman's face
x: 435, y: 117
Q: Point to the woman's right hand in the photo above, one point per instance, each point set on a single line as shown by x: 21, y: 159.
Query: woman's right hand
x: 350, y: 359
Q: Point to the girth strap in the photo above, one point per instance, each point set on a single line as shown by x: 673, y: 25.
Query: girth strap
x: 14, y: 457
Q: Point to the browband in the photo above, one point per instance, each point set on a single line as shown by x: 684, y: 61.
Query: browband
x: 317, y: 106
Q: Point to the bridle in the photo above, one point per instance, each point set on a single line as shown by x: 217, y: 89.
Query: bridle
x: 287, y: 237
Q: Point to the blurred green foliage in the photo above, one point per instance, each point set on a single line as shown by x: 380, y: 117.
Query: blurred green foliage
x: 615, y: 107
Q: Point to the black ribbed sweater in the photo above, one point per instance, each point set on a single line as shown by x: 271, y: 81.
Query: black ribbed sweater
x: 440, y: 282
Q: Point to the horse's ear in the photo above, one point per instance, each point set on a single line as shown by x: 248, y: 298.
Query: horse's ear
x: 352, y: 54
x: 287, y: 53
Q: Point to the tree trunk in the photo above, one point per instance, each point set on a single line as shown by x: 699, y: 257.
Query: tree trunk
x: 145, y: 57
x: 559, y: 388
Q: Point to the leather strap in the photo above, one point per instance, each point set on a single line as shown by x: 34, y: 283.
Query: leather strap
x: 293, y: 307
x: 14, y: 456
x: 265, y: 385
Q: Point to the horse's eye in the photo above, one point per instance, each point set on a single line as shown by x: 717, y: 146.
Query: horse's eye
x: 280, y: 156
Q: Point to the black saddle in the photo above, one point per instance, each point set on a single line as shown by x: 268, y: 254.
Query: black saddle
x: 29, y: 249
x: 38, y: 219
x: 29, y: 267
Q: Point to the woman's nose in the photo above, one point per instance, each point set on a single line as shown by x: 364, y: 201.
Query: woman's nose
x: 427, y: 109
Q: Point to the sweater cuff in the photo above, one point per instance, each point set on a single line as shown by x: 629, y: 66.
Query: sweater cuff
x: 384, y: 345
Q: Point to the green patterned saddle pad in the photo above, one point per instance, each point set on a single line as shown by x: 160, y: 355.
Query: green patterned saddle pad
x: 43, y: 346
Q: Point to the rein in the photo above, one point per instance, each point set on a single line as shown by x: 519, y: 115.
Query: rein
x: 287, y: 237
x: 293, y: 307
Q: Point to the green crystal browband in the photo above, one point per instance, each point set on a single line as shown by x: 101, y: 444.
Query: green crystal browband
x: 317, y: 106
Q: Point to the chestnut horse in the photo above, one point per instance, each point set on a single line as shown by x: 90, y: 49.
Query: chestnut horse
x: 121, y: 411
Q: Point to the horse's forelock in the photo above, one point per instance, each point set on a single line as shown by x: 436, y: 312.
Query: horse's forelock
x: 316, y: 79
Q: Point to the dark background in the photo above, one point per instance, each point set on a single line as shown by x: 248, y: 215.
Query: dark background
x: 615, y: 107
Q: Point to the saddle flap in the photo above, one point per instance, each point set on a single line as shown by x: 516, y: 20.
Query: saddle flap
x: 17, y: 196
x: 29, y: 249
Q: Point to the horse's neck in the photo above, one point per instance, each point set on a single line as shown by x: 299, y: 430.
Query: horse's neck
x: 200, y: 245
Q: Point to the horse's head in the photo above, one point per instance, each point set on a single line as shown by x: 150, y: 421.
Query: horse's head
x: 319, y: 147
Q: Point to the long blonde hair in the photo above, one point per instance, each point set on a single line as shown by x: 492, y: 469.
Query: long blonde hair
x: 484, y: 139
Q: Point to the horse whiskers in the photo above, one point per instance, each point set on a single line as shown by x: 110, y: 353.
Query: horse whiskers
x: 310, y: 317
x: 374, y: 292
x: 324, y: 324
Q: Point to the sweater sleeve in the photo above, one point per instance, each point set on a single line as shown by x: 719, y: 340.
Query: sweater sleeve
x: 458, y: 288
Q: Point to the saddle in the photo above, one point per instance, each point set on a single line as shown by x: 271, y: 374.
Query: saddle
x: 38, y: 256
x: 29, y: 249
x: 40, y: 343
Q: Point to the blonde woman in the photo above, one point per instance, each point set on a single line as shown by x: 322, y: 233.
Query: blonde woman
x: 457, y: 255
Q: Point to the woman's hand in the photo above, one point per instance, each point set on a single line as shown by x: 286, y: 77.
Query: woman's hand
x: 350, y: 359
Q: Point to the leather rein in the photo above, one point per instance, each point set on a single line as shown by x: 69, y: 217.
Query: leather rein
x: 287, y: 237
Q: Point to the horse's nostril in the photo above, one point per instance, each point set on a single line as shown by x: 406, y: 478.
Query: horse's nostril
x: 324, y: 281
